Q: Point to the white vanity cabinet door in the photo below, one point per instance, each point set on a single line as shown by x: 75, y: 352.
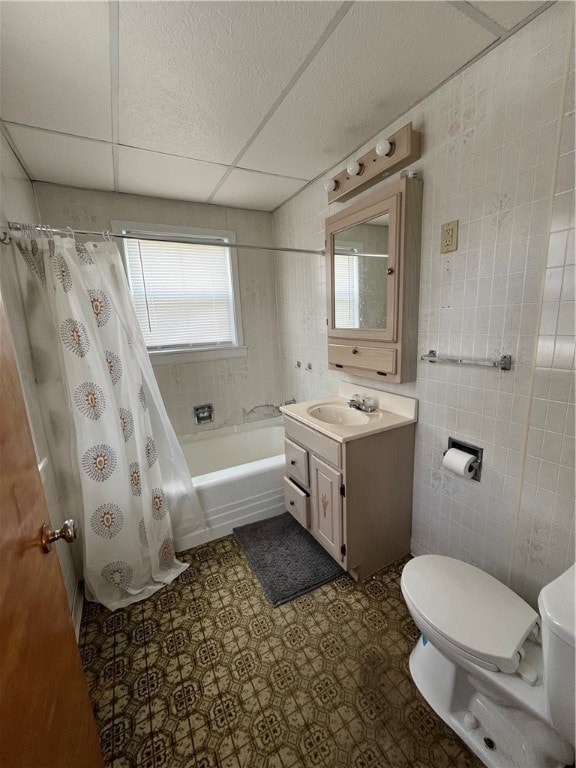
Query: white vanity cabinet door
x: 326, y: 512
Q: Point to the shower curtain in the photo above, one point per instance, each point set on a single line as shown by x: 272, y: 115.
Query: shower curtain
x: 135, y: 483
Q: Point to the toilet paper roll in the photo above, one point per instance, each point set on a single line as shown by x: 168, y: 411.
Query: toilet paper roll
x: 459, y: 462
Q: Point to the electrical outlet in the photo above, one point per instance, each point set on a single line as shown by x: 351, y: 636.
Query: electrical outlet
x: 449, y: 240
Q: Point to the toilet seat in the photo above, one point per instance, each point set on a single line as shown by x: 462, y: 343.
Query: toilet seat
x: 467, y: 612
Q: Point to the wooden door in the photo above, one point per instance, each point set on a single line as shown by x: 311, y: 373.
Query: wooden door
x: 46, y: 719
x: 326, y: 517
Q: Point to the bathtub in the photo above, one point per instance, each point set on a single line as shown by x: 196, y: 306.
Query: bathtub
x: 237, y: 473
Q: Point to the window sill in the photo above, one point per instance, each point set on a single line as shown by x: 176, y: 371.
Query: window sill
x: 179, y: 356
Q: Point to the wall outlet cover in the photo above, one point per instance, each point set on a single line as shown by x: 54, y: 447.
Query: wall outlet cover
x: 449, y: 239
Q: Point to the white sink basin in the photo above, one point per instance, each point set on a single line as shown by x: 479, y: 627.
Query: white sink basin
x: 337, y: 414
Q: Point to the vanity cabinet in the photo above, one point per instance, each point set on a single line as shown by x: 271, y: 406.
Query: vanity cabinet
x: 373, y: 281
x: 355, y: 497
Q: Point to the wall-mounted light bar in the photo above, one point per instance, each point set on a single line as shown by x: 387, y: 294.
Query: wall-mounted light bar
x: 388, y: 156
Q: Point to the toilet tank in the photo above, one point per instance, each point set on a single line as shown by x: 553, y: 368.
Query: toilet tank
x: 556, y: 604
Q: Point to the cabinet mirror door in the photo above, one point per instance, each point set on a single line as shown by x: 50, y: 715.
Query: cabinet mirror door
x: 362, y: 251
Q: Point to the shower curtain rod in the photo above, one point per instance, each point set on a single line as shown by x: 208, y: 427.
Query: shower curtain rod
x: 167, y: 237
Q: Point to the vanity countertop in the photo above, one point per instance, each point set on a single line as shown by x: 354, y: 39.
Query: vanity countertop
x: 329, y: 415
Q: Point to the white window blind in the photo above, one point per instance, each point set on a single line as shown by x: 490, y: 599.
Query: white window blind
x: 183, y: 293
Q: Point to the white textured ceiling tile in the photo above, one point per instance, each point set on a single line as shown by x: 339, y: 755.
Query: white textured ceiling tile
x: 382, y: 58
x: 148, y: 173
x: 64, y: 159
x: 258, y: 191
x: 507, y: 13
x: 55, y: 66
x: 196, y: 79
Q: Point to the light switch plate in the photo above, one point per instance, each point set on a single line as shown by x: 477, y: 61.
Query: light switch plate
x: 449, y: 240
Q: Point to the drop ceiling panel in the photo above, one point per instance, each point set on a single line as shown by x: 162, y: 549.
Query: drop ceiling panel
x: 382, y: 58
x: 55, y: 66
x: 196, y: 79
x: 149, y: 173
x: 259, y: 191
x: 506, y: 13
x: 64, y: 159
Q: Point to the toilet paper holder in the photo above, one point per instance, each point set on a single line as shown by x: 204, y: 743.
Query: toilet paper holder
x: 474, y: 450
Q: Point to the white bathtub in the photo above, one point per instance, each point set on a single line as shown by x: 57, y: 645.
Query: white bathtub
x: 237, y: 473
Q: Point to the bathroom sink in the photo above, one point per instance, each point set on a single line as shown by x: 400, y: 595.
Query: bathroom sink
x: 337, y: 414
x: 333, y: 417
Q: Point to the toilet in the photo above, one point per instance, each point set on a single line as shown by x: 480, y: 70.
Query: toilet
x: 498, y: 673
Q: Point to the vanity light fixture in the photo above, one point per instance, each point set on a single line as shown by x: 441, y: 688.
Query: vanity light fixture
x: 385, y: 148
x: 389, y: 156
x: 354, y: 168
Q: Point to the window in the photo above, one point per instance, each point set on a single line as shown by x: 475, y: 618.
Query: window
x: 184, y: 294
x: 346, y: 285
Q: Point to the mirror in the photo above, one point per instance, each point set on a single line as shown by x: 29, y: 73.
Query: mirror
x: 372, y: 283
x: 361, y: 270
x: 360, y: 274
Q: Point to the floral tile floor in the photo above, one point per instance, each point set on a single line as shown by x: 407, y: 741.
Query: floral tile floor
x: 206, y: 674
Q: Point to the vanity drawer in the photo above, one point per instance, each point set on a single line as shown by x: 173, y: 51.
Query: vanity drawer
x: 297, y: 462
x: 297, y: 502
x: 372, y: 358
x: 320, y: 444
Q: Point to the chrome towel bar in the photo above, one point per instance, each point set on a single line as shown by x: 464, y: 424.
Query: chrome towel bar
x: 504, y: 363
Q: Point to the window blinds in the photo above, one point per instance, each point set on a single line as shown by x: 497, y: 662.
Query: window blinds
x: 346, y: 291
x: 182, y: 293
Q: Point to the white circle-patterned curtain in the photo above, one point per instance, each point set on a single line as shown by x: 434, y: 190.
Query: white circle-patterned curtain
x: 136, y: 485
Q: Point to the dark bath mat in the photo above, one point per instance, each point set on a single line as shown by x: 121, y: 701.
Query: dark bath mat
x: 287, y: 560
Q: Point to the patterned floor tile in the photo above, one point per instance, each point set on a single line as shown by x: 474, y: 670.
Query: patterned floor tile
x: 206, y: 674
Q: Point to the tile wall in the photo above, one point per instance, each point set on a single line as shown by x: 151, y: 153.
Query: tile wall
x: 491, y: 137
x: 545, y: 534
x: 241, y: 389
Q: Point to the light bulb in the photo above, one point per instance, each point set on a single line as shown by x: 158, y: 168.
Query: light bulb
x: 330, y: 185
x: 354, y: 168
x: 384, y: 148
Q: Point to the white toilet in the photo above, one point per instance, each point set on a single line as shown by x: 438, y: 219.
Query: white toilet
x: 500, y: 676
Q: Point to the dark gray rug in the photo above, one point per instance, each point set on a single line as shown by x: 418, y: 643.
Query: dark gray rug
x: 287, y: 560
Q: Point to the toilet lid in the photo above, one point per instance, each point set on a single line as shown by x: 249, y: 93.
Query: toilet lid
x: 471, y: 609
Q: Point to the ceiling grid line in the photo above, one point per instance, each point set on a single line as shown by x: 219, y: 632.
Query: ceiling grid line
x: 114, y: 24
x: 14, y: 148
x: 475, y: 14
x: 298, y: 89
x: 464, y: 67
x: 331, y: 26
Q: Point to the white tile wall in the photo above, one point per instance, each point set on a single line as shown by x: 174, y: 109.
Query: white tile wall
x: 545, y: 535
x: 241, y: 389
x: 489, y: 159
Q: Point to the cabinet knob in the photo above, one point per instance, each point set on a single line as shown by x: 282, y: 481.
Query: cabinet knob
x: 354, y: 351
x: 390, y: 271
x: 293, y: 462
x: 291, y: 503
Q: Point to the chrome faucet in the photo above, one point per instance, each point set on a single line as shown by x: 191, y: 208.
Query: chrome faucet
x: 366, y: 404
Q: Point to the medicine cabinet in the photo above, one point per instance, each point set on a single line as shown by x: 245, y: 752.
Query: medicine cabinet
x: 373, y: 282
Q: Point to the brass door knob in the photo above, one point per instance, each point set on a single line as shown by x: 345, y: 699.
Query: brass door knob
x: 68, y: 532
